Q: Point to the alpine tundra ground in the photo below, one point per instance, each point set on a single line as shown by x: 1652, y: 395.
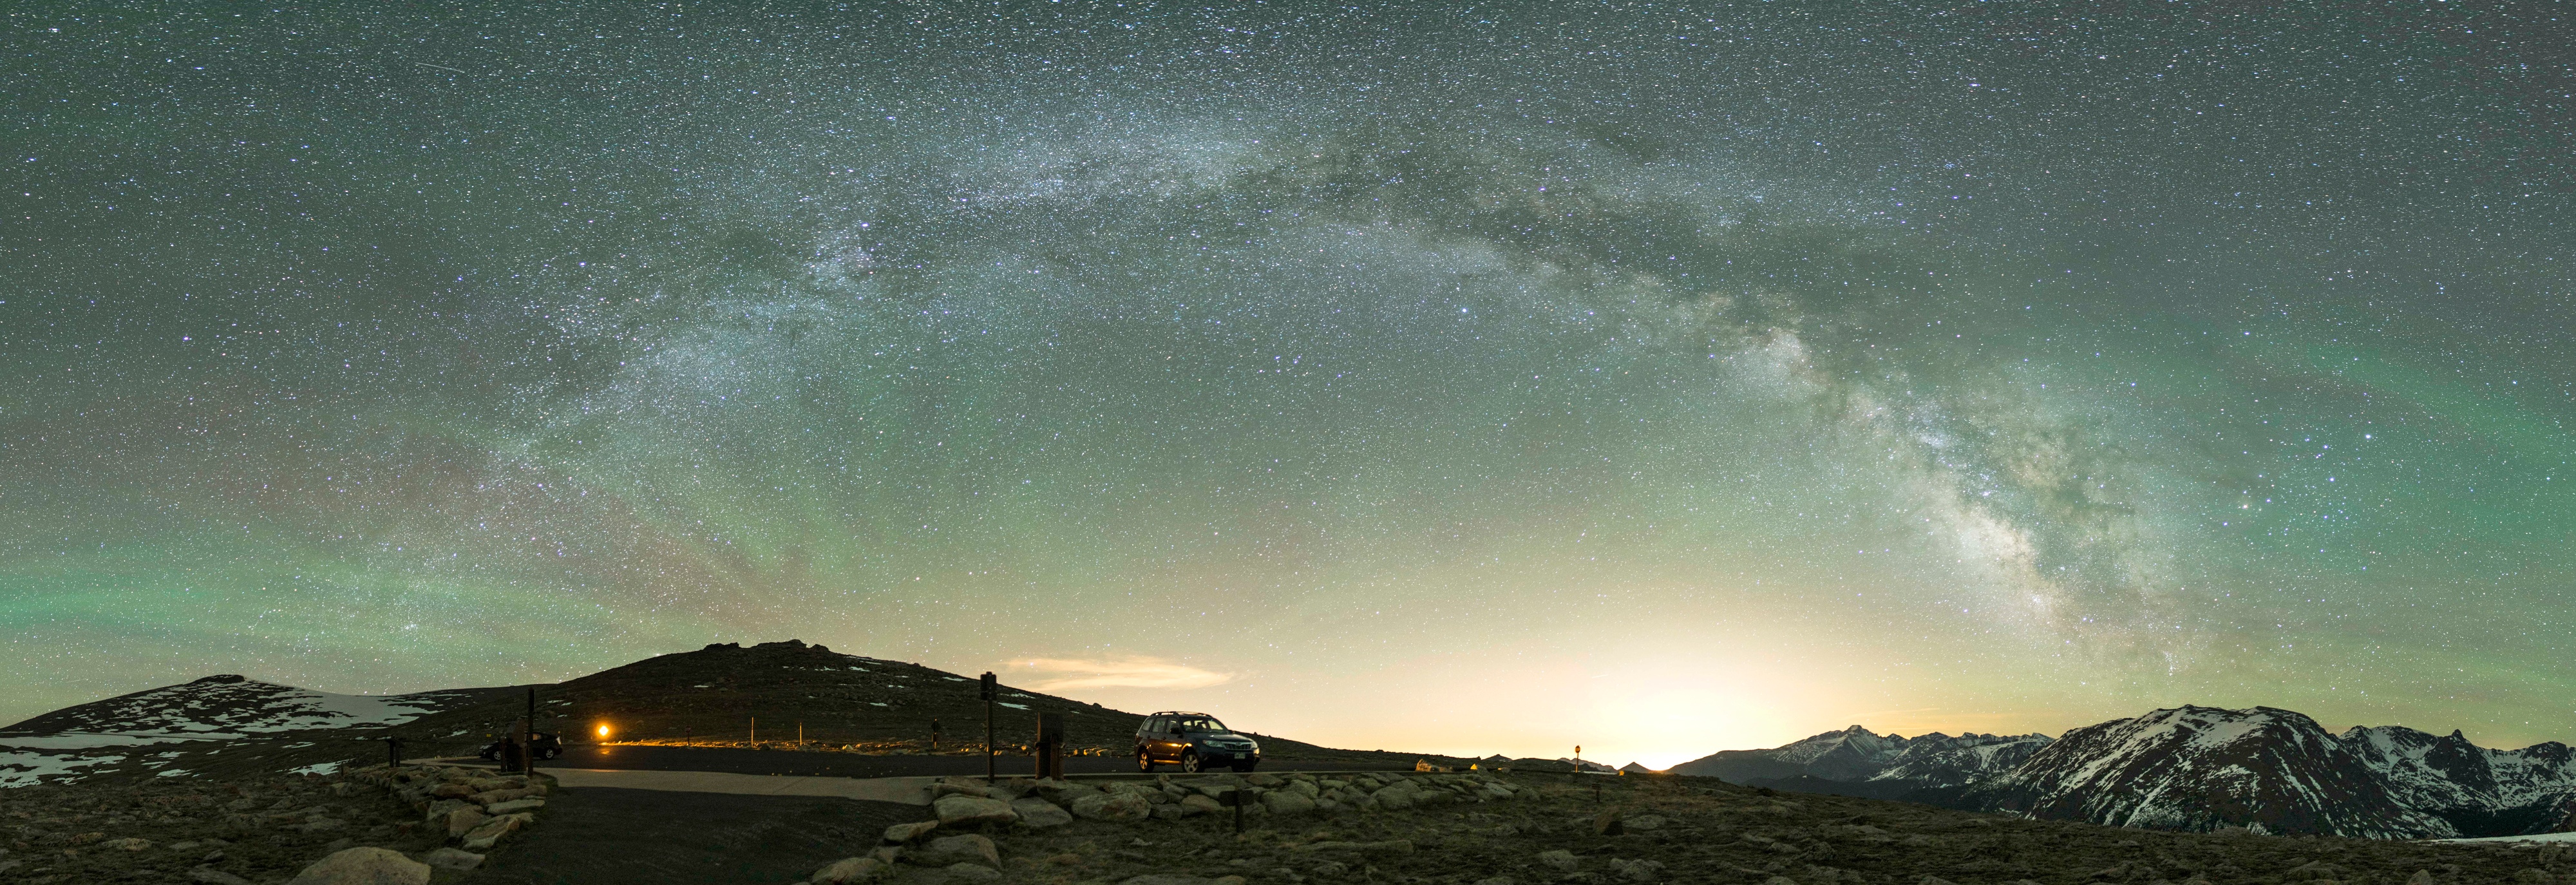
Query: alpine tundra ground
x: 1445, y: 829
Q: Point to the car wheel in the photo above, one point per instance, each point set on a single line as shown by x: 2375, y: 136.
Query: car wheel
x: 1144, y: 761
x: 1190, y: 761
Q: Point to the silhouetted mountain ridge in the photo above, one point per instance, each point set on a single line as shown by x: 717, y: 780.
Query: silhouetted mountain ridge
x: 2192, y: 768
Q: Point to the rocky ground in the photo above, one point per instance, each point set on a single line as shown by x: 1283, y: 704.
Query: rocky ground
x: 257, y: 831
x: 427, y: 825
x: 1524, y: 829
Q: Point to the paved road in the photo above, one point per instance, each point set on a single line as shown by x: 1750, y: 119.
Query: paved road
x: 792, y: 762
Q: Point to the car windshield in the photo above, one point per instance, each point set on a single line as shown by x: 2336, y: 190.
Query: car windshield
x: 1198, y: 723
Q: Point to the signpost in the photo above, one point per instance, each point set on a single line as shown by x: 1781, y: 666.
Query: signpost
x: 991, y: 693
x: 1050, y: 746
x: 1236, y: 799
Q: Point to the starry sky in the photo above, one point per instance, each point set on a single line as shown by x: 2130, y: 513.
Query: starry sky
x: 1656, y: 377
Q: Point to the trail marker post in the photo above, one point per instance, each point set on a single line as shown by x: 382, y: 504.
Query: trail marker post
x: 991, y: 693
x: 1050, y: 746
x: 1236, y: 798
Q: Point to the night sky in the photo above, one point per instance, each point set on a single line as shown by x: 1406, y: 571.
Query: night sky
x: 1658, y: 377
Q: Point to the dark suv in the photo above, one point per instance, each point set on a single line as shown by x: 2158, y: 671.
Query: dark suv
x: 1193, y: 741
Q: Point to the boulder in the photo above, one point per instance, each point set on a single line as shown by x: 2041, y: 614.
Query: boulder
x: 969, y: 811
x: 491, y: 831
x: 848, y: 870
x: 439, y: 810
x: 1391, y: 846
x: 490, y: 797
x: 1644, y: 822
x: 364, y: 866
x: 127, y: 844
x: 1287, y: 802
x: 1560, y: 860
x: 1061, y: 792
x: 463, y: 819
x: 967, y: 872
x: 1112, y: 807
x: 212, y: 876
x: 902, y: 833
x: 1399, y: 796
x: 1040, y: 814
x: 953, y: 850
x: 1198, y: 805
x: 452, y: 859
x: 1170, y: 879
x: 944, y: 788
x: 1263, y: 779
x: 514, y: 806
x: 1637, y: 870
x: 1607, y: 823
x: 1304, y: 788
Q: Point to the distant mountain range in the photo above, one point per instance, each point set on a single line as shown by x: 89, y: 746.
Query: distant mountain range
x: 2193, y: 768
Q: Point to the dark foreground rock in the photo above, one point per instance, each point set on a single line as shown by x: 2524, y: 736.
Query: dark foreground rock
x: 1526, y: 829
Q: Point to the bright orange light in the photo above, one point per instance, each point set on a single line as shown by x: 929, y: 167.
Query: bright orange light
x: 603, y: 731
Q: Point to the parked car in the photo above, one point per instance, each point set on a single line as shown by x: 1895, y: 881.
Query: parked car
x: 541, y: 744
x: 1193, y: 741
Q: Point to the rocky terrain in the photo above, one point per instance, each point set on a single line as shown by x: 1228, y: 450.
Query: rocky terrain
x: 2193, y: 768
x: 1521, y: 829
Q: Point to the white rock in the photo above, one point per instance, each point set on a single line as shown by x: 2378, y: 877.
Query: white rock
x: 848, y: 870
x: 463, y: 819
x: 452, y: 859
x: 515, y: 805
x: 952, y: 850
x: 1113, y: 807
x: 491, y: 831
x: 967, y: 811
x: 1560, y: 860
x: 212, y: 876
x: 1287, y: 802
x: 902, y: 833
x: 1040, y: 814
x: 364, y: 866
x: 1637, y: 870
x: 967, y: 872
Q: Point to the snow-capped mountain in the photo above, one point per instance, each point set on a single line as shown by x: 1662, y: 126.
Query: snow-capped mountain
x: 222, y: 708
x: 1939, y: 761
x: 1855, y: 755
x: 2476, y: 789
x: 2193, y: 768
x: 2199, y: 768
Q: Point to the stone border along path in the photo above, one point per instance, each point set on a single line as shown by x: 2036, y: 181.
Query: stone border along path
x: 907, y: 790
x: 966, y: 803
x: 476, y: 808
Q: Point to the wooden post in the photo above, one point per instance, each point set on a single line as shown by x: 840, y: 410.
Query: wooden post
x: 1050, y: 749
x: 1237, y: 797
x: 990, y: 691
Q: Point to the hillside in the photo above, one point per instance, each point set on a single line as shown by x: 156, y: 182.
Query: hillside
x: 230, y: 725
